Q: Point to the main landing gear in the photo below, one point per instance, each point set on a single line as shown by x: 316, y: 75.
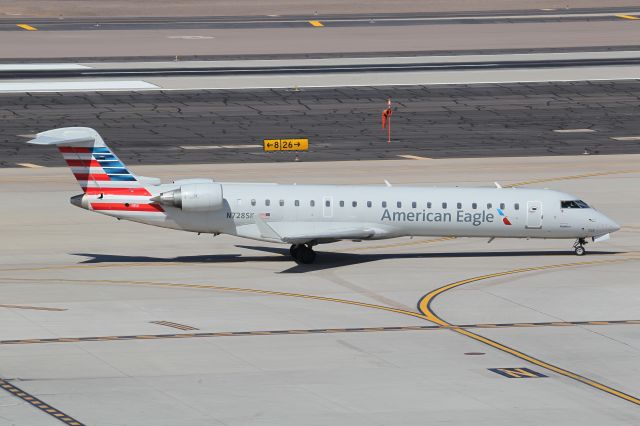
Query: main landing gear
x: 578, y: 247
x: 302, y: 254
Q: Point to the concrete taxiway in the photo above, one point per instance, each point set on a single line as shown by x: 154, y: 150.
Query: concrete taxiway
x: 108, y: 322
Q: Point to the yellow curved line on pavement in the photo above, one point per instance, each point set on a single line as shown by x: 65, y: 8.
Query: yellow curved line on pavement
x: 571, y: 177
x: 223, y: 288
x: 424, y: 306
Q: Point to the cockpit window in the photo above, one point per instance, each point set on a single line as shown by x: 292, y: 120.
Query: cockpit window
x: 574, y: 204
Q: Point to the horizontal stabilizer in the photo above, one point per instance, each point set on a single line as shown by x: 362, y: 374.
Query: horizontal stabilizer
x: 69, y: 136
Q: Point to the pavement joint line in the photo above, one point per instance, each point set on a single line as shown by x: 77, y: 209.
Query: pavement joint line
x: 424, y: 306
x: 35, y: 308
x: 27, y: 27
x: 38, y: 403
x: 307, y: 331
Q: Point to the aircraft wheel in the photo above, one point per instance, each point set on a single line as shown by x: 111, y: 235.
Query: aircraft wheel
x: 293, y: 250
x: 307, y: 255
x: 580, y: 251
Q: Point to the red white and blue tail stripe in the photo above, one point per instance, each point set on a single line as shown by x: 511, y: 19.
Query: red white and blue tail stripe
x: 98, y: 170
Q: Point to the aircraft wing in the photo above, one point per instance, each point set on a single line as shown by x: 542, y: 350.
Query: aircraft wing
x: 304, y: 232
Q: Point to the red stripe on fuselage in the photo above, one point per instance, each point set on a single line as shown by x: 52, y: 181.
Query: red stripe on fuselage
x: 116, y: 191
x: 83, y: 163
x: 132, y: 207
x: 91, y: 176
x: 76, y: 149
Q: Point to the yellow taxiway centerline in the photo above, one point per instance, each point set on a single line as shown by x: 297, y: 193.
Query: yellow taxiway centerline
x: 424, y: 306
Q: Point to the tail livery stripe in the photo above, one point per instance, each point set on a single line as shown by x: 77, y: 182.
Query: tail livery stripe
x: 133, y: 207
x: 117, y: 191
x: 91, y: 176
x: 83, y: 163
x: 96, y: 164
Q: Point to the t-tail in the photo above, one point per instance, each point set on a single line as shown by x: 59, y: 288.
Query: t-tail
x: 106, y: 182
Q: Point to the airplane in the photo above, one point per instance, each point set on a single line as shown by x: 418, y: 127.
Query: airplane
x: 306, y: 215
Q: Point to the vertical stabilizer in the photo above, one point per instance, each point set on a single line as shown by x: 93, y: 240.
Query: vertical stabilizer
x: 97, y: 169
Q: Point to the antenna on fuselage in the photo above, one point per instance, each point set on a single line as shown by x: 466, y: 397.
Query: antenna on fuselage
x: 497, y: 185
x: 386, y: 182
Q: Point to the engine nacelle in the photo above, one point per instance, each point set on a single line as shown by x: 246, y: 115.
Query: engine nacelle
x: 196, y: 197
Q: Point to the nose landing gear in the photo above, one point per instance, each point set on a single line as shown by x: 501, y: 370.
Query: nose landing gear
x: 578, y: 247
x: 303, y: 254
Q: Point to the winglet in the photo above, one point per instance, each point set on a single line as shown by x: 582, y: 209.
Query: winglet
x: 266, y: 231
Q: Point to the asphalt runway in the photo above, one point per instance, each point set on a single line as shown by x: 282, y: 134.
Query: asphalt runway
x: 110, y: 322
x: 324, y: 20
x: 175, y: 127
x: 311, y: 40
x: 160, y: 9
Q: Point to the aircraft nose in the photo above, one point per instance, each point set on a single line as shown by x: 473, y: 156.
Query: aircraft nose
x: 609, y: 225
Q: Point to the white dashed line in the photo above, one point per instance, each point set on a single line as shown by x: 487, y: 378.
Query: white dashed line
x: 574, y: 130
x: 626, y: 138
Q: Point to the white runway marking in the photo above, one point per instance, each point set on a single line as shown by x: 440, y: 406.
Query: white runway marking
x: 574, y: 130
x: 626, y: 138
x: 29, y: 165
x: 43, y: 67
x: 69, y: 86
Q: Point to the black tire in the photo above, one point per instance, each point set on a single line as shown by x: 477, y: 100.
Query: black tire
x: 580, y: 251
x: 307, y: 255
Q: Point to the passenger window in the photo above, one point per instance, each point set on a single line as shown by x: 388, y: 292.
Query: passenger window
x: 516, y: 206
x: 267, y: 202
x: 354, y: 204
x: 399, y: 204
x: 297, y: 203
x: 474, y: 206
x: 501, y: 206
x: 384, y: 204
x: 459, y: 205
x: 312, y: 203
x: 489, y: 205
x: 429, y: 205
x: 281, y: 203
x: 341, y: 203
x: 414, y: 205
x: 327, y: 203
x: 444, y: 205
x: 253, y: 202
x: 368, y: 203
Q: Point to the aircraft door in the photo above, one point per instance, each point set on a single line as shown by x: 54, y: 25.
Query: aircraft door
x: 534, y: 214
x: 327, y: 207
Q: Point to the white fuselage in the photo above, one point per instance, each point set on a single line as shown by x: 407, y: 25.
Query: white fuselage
x: 380, y: 212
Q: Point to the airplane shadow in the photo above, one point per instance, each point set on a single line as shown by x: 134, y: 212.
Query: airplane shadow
x: 324, y: 260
